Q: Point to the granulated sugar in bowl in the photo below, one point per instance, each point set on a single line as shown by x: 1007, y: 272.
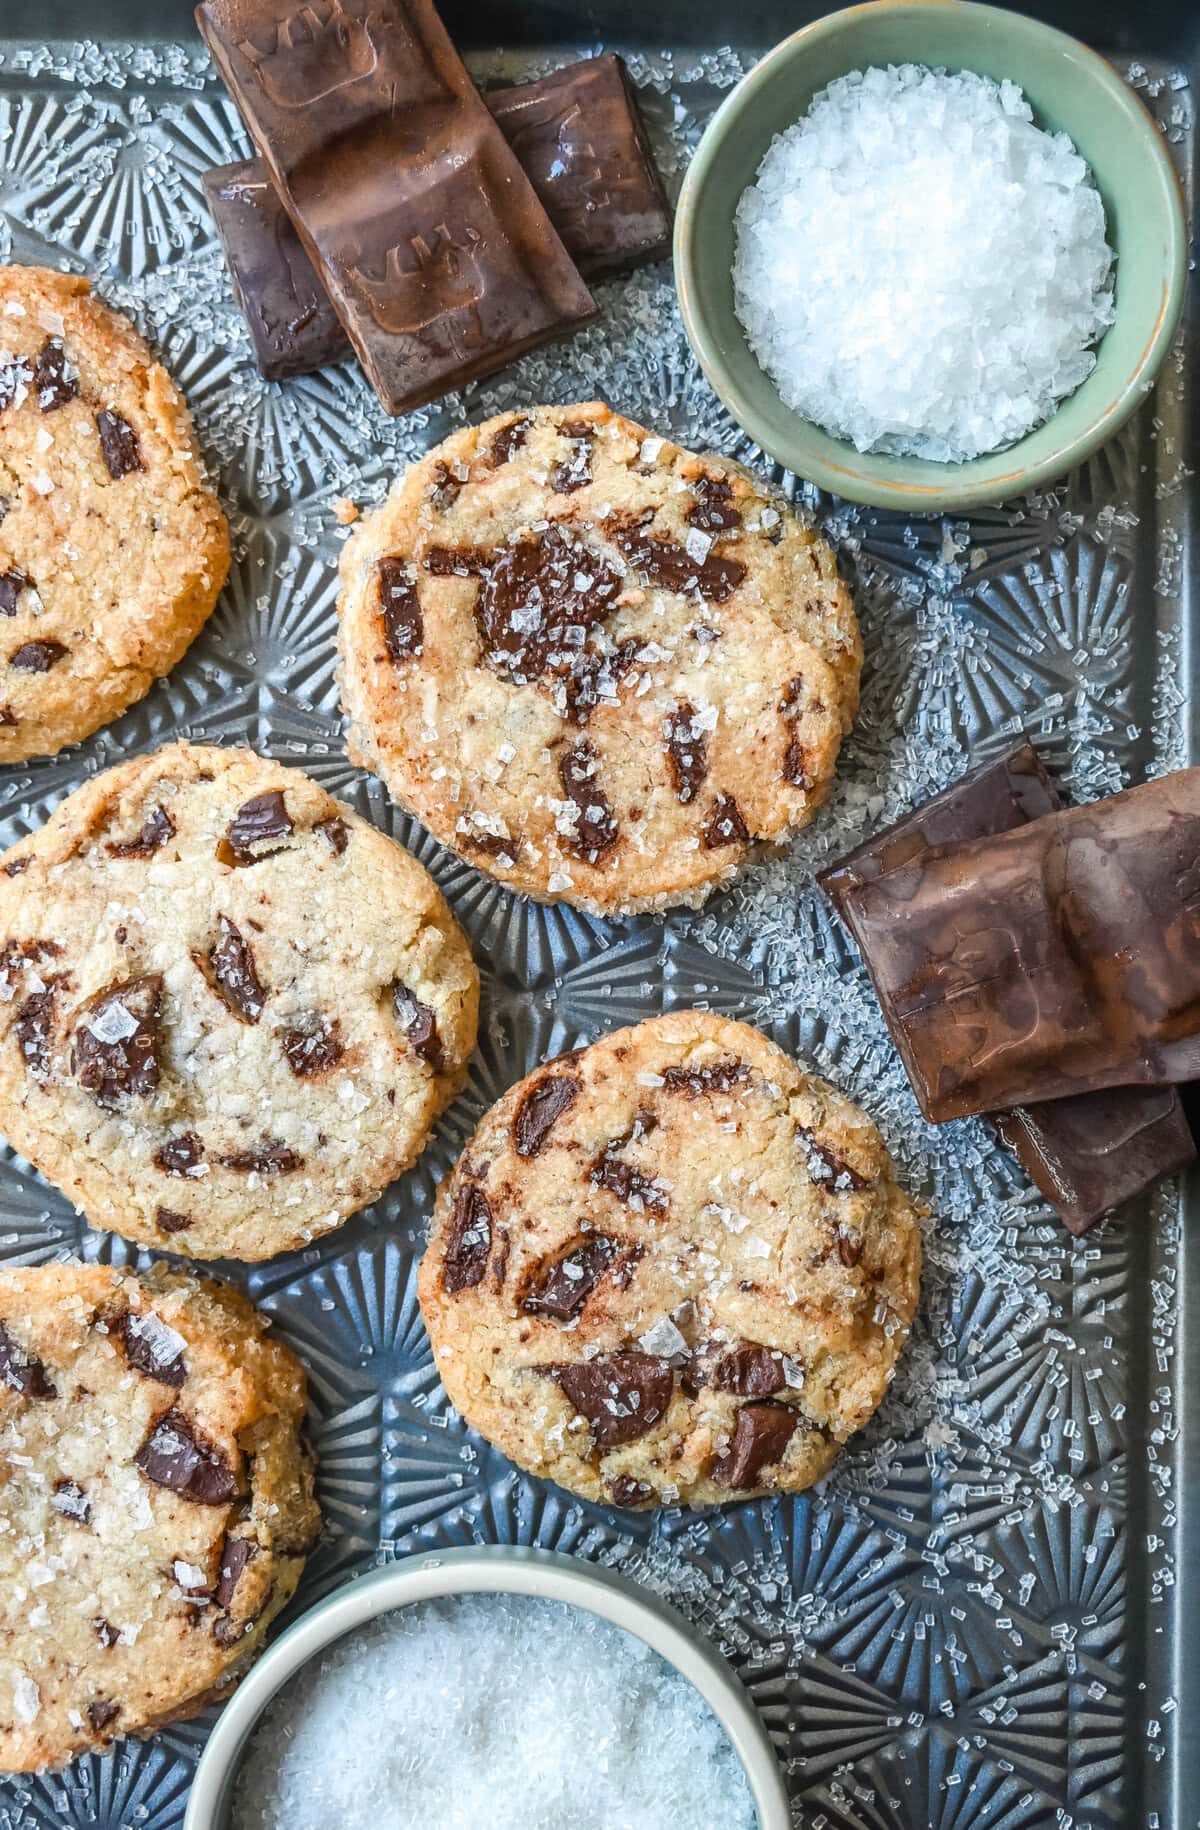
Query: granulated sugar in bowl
x: 498, y: 1712
x: 919, y: 268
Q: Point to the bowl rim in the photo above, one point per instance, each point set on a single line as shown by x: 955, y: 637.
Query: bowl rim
x: 491, y: 1569
x: 847, y: 480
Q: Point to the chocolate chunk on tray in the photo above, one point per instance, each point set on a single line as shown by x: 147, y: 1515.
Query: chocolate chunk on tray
x: 1085, y: 1154
x: 292, y: 325
x: 1054, y: 960
x: 580, y: 137
x: 430, y: 241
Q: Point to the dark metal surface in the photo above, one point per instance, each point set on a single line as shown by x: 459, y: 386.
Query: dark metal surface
x: 982, y: 1621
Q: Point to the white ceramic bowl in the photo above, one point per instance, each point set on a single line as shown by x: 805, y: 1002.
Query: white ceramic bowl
x: 493, y: 1569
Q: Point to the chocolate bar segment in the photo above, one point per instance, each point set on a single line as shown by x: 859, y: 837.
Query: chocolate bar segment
x: 429, y: 240
x: 1046, y: 962
x: 1086, y: 1154
x: 579, y: 136
x: 292, y: 325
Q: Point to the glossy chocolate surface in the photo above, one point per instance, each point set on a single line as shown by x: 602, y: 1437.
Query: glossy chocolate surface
x: 1085, y: 1153
x: 429, y: 240
x: 292, y: 325
x: 579, y: 137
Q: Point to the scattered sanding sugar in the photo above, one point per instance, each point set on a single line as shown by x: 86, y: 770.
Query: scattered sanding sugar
x: 919, y: 268
x: 500, y: 1712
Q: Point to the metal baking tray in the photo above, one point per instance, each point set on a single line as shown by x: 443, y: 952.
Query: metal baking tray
x: 981, y: 1618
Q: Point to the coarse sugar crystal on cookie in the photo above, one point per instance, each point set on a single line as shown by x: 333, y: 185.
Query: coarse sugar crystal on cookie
x: 599, y: 667
x: 671, y: 1268
x: 230, y: 1010
x: 156, y: 1502
x: 112, y: 548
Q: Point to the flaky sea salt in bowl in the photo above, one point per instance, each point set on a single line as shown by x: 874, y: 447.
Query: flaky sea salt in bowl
x: 502, y: 1687
x: 1070, y: 90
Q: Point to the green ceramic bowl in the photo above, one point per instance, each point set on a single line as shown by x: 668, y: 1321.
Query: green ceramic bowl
x: 1069, y: 88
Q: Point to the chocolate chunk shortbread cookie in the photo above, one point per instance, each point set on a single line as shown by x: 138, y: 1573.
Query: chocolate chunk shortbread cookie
x: 112, y: 549
x: 231, y: 1009
x: 671, y: 1268
x: 598, y: 666
x: 156, y: 1502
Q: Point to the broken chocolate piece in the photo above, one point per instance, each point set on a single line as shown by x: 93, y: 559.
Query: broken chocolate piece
x: 579, y: 136
x: 596, y: 829
x: 725, y: 825
x: 795, y: 765
x: 174, y: 1456
x: 712, y: 510
x: 714, y: 1077
x: 101, y: 1711
x: 37, y: 657
x: 610, y: 1170
x: 446, y: 487
x: 157, y: 828
x: 438, y: 258
x: 562, y: 1288
x: 537, y: 595
x: 55, y: 380
x: 419, y: 1025
x: 114, y: 1048
x: 622, y: 1395
x: 747, y: 1369
x: 106, y: 1633
x: 826, y: 1167
x: 576, y: 472
x: 403, y: 626
x: 335, y: 834
x: 667, y: 564
x: 119, y: 443
x: 760, y: 1438
x: 153, y: 1348
x: 510, y: 438
x: 470, y: 1240
x: 1085, y: 1153
x: 32, y: 1025
x: 21, y: 1371
x: 687, y: 752
x: 261, y: 818
x: 541, y: 1107
x: 229, y: 969
x: 180, y: 1153
x: 626, y: 1491
x: 168, y: 1222
x: 12, y: 583
x: 235, y: 1554
x: 272, y: 1159
x: 313, y: 1046
x: 292, y: 325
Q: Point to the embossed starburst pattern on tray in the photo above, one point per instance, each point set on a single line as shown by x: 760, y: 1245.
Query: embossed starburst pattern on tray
x: 968, y: 1624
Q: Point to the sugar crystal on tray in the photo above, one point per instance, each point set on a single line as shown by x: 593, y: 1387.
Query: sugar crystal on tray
x: 507, y: 1712
x: 919, y: 268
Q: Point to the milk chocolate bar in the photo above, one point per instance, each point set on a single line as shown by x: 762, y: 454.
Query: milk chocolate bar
x: 579, y: 135
x: 292, y: 325
x: 1086, y: 1154
x: 1045, y: 962
x: 429, y: 239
